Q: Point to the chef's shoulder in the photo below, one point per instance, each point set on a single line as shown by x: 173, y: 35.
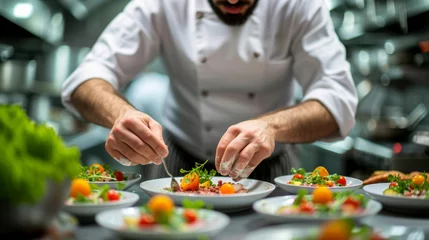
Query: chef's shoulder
x: 295, y: 8
x: 157, y: 7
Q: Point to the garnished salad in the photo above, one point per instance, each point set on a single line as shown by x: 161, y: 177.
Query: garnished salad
x: 325, y: 202
x: 319, y: 177
x: 101, y: 173
x: 160, y: 213
x: 344, y: 229
x: 417, y: 187
x: 199, y: 181
x: 83, y: 192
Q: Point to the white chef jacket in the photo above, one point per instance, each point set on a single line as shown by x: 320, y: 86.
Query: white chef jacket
x: 221, y: 75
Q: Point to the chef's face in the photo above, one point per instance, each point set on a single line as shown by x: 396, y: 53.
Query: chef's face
x: 233, y: 12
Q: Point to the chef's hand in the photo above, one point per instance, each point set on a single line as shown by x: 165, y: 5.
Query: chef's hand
x: 243, y: 147
x: 137, y: 137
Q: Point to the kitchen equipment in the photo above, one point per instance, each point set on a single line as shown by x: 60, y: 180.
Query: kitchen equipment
x: 173, y: 184
x: 17, y: 75
x: 394, y: 127
x: 23, y: 218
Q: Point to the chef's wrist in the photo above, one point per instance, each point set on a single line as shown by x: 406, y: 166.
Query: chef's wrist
x: 271, y: 125
x: 123, y: 111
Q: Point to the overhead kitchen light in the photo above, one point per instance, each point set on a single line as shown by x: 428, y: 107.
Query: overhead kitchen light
x: 23, y: 10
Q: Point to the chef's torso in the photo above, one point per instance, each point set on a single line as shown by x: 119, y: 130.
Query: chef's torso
x: 221, y: 75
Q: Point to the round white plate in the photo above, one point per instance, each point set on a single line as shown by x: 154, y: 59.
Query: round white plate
x: 305, y: 231
x: 132, y: 178
x: 90, y: 209
x: 268, y: 208
x: 226, y: 203
x: 352, y: 185
x: 214, y: 222
x: 396, y: 203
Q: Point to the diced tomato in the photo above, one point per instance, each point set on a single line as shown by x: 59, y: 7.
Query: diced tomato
x: 342, y: 181
x: 348, y: 208
x: 306, y: 208
x: 298, y: 176
x: 190, y: 216
x: 393, y: 184
x: 353, y: 202
x: 113, y: 195
x: 146, y: 220
x: 329, y: 183
x: 119, y: 175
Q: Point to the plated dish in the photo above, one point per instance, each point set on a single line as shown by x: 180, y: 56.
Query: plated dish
x: 339, y: 230
x: 87, y: 200
x: 99, y: 174
x: 322, y: 204
x: 301, y: 179
x: 416, y: 187
x: 160, y: 219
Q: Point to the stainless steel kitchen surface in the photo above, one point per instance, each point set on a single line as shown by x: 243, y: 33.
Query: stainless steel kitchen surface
x: 387, y: 44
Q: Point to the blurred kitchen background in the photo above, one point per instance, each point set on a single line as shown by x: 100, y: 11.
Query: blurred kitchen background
x: 43, y: 41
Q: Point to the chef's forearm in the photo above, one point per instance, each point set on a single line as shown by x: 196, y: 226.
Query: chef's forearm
x: 306, y: 122
x: 98, y: 102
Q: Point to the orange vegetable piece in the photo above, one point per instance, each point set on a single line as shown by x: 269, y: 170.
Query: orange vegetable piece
x: 80, y: 186
x: 418, y: 179
x: 322, y: 195
x: 321, y: 171
x: 161, y: 204
x: 190, y: 182
x: 95, y: 168
x: 227, y: 188
x: 338, y: 230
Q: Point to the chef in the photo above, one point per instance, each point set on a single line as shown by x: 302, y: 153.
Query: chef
x: 232, y: 66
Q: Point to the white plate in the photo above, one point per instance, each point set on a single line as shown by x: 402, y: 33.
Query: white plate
x: 352, y: 185
x: 396, y: 203
x: 268, y: 208
x: 133, y: 178
x: 113, y: 220
x: 300, y: 231
x: 227, y: 203
x: 90, y: 209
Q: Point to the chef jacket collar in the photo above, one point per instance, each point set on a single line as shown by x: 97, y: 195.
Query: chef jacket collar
x: 202, y: 6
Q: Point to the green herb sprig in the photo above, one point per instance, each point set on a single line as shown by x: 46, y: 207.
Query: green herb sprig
x: 205, y: 176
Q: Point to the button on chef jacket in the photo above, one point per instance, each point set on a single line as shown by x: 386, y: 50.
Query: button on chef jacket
x: 221, y: 75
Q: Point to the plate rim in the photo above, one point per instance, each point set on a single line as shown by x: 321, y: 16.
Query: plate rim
x: 114, y: 182
x: 360, y: 184
x: 269, y: 190
x: 381, y: 195
x: 132, y: 197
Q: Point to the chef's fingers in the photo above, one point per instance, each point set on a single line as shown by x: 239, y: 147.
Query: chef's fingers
x: 126, y: 136
x: 156, y: 129
x: 118, y: 156
x: 126, y: 151
x: 144, y: 133
x: 256, y: 160
x: 231, y: 153
x: 223, y: 144
x: 243, y: 160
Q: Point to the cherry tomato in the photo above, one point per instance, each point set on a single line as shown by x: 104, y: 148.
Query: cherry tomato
x: 146, y: 220
x: 393, y: 184
x: 96, y: 168
x: 119, y: 175
x: 342, y: 181
x: 353, y: 202
x: 227, y: 188
x: 418, y: 180
x: 306, y: 208
x: 190, y: 182
x: 322, y: 195
x: 298, y: 176
x: 113, y: 195
x: 320, y: 171
x: 190, y: 216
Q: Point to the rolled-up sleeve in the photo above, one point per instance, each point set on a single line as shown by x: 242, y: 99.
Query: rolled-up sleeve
x: 128, y: 43
x: 320, y: 65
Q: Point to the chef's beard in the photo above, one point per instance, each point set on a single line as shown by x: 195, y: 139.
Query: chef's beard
x: 233, y: 19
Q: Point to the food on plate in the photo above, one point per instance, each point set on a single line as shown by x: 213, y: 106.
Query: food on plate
x: 325, y: 202
x: 83, y: 192
x: 382, y: 176
x: 199, y: 181
x: 319, y: 177
x: 101, y: 173
x: 344, y: 229
x: 416, y: 187
x: 160, y: 213
x: 31, y: 156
